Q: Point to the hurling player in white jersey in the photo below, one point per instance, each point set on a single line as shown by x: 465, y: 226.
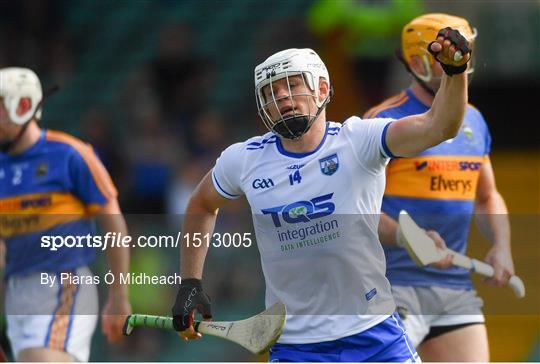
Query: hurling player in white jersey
x: 315, y: 189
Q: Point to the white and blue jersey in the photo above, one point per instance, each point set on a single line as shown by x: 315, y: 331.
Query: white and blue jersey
x: 315, y: 217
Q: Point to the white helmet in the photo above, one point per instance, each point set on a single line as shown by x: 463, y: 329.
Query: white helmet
x: 284, y: 64
x: 17, y: 83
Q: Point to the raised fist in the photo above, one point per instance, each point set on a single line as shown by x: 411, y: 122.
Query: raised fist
x: 451, y: 50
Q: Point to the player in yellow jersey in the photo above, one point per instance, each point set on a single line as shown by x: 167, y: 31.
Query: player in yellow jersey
x: 441, y: 188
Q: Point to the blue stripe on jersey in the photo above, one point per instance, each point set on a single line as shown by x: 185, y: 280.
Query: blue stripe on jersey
x: 387, y: 150
x: 384, y: 342
x: 334, y: 130
x: 221, y: 188
x: 269, y: 139
x: 260, y: 145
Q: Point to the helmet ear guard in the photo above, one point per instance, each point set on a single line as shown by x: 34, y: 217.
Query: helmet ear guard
x: 18, y: 83
x: 421, y: 79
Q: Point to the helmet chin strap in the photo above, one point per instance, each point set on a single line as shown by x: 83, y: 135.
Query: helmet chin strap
x: 295, y: 126
x: 421, y: 82
x: 7, y: 145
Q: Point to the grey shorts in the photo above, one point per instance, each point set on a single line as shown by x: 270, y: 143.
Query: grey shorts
x: 424, y: 308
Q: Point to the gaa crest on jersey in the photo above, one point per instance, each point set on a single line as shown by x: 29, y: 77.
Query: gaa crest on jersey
x: 329, y: 165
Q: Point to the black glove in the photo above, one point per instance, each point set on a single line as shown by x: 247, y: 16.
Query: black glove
x: 461, y: 44
x: 190, y: 297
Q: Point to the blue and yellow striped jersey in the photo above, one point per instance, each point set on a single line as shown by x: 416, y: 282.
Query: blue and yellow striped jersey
x: 53, y: 188
x: 437, y: 188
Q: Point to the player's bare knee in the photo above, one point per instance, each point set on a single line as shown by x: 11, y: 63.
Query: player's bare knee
x: 467, y: 344
x: 43, y: 355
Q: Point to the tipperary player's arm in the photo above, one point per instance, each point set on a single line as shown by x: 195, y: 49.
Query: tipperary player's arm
x: 390, y: 236
x: 491, y: 217
x: 2, y: 254
x: 110, y: 219
x: 413, y: 134
x: 93, y: 185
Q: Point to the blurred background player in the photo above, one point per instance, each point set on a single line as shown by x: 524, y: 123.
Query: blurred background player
x: 52, y: 184
x: 316, y: 231
x: 442, y: 188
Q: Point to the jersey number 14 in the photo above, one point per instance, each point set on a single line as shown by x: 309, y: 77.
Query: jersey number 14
x: 295, y: 178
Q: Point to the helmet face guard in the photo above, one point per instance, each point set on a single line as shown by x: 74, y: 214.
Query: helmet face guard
x: 293, y: 124
x: 297, y: 64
